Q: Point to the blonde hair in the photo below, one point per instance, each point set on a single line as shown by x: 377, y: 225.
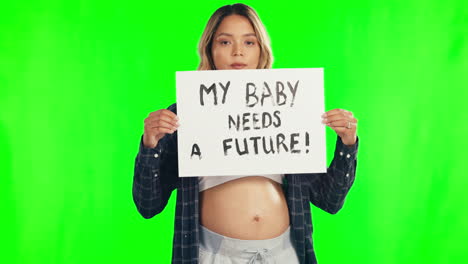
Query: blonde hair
x: 206, y: 41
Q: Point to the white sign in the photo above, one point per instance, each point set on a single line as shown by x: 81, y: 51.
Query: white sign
x: 250, y: 122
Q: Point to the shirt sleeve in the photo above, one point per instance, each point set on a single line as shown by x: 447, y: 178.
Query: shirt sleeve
x: 328, y: 190
x: 154, y: 176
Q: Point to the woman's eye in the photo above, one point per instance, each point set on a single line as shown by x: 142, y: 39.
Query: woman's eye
x: 224, y: 42
x: 250, y: 43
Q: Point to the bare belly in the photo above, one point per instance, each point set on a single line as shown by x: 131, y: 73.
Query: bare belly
x: 249, y: 208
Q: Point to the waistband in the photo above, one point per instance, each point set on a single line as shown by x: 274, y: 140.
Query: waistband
x: 219, y: 244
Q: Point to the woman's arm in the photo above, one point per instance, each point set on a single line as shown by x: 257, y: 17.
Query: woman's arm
x: 155, y: 174
x: 328, y: 190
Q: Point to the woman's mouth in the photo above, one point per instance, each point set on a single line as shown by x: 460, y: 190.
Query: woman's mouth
x: 238, y: 65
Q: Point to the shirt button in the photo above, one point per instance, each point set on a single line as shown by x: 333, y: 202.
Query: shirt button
x: 341, y: 153
x: 156, y: 155
x: 348, y: 156
x: 347, y: 175
x: 155, y: 175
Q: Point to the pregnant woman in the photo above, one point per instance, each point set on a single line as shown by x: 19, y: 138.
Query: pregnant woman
x: 249, y: 218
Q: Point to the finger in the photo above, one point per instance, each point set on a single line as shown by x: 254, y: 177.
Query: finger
x: 161, y: 123
x: 158, y: 132
x: 333, y: 112
x: 339, y: 130
x: 163, y: 117
x: 345, y: 124
x: 339, y: 123
x: 169, y: 114
x: 345, y: 114
x: 338, y: 112
x: 163, y: 130
x: 163, y: 112
x: 335, y: 118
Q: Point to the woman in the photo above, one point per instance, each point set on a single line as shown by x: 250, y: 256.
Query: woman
x: 241, y: 219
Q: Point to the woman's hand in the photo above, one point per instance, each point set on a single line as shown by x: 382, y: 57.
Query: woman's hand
x: 157, y: 124
x: 344, y: 124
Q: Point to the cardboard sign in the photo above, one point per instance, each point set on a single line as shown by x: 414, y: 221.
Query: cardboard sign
x: 250, y: 122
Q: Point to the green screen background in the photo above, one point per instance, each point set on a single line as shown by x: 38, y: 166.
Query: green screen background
x: 77, y: 78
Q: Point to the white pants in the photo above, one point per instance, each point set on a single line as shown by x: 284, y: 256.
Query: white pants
x: 215, y: 248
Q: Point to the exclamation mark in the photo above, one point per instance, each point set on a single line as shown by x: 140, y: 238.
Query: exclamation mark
x: 307, y: 142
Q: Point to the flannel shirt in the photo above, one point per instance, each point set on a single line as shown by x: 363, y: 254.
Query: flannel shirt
x: 156, y: 176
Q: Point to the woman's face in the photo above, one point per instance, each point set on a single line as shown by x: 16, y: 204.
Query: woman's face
x: 235, y: 45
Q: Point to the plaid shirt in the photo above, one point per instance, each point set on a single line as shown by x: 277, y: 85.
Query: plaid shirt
x: 156, y: 176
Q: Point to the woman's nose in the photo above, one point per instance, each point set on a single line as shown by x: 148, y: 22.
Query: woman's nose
x: 237, y: 50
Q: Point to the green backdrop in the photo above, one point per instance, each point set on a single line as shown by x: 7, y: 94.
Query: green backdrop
x: 77, y: 78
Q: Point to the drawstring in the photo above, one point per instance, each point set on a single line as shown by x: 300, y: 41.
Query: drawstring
x: 262, y: 253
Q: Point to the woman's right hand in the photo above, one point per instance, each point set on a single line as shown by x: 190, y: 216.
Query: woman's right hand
x: 157, y: 124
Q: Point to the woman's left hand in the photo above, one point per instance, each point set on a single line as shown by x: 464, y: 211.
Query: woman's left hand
x: 344, y: 124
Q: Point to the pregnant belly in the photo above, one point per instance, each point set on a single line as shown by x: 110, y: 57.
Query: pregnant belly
x: 249, y: 208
